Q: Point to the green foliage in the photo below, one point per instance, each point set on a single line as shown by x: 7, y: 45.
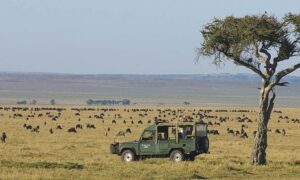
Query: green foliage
x: 22, y: 102
x: 293, y: 19
x: 33, y: 102
x: 108, y: 102
x: 52, y: 102
x: 250, y: 39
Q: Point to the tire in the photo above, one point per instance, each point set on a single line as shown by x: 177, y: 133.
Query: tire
x: 128, y: 156
x: 176, y: 156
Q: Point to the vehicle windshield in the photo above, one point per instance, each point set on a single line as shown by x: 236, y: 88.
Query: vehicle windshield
x: 147, y: 136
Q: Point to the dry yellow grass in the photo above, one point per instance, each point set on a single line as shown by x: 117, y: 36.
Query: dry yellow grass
x: 85, y: 155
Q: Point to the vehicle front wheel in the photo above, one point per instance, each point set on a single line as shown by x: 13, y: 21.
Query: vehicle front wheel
x: 128, y: 156
x: 176, y: 156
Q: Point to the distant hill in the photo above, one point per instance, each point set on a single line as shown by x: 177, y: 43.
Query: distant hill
x: 215, y: 89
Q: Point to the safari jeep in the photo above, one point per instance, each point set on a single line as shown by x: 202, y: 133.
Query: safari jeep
x: 180, y: 141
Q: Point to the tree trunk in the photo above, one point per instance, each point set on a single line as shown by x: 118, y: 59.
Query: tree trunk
x: 265, y: 109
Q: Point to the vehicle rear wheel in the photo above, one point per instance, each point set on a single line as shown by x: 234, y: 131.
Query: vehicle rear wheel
x: 128, y: 156
x: 176, y: 156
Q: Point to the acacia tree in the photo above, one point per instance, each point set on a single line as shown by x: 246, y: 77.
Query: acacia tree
x: 262, y: 44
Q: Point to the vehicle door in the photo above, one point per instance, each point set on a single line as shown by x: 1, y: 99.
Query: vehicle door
x: 165, y: 139
x: 147, y: 143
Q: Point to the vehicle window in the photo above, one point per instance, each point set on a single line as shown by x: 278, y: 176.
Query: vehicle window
x: 172, y: 133
x: 162, y: 133
x: 201, y: 130
x: 181, y: 133
x: 185, y: 132
x: 162, y: 136
x: 148, y: 136
x: 189, y: 130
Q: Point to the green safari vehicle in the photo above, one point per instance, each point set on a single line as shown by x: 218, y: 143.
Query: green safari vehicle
x: 179, y: 141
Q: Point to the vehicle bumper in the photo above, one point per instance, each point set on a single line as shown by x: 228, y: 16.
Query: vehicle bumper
x: 114, y: 149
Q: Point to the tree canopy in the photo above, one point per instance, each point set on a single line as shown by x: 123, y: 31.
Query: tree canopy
x: 251, y: 41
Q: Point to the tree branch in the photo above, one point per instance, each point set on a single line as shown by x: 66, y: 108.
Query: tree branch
x: 241, y: 62
x: 269, y: 67
x: 271, y: 104
x: 282, y: 83
x: 285, y: 72
x: 249, y: 66
x: 287, y: 49
x: 267, y: 54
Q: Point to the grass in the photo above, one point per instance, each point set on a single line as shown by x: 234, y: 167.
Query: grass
x: 85, y: 155
x: 45, y: 165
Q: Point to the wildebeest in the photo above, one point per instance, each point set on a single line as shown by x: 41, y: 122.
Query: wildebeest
x: 213, y: 132
x: 128, y: 130
x: 78, y: 126
x: 283, y: 132
x: 27, y: 126
x: 72, y: 130
x: 90, y: 126
x: 36, y: 129
x: 277, y: 131
x: 244, y: 135
x: 217, y: 124
x: 230, y: 131
x: 209, y: 123
x: 121, y: 133
x: 3, y: 137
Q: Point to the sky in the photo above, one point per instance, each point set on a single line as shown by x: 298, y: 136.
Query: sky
x: 117, y: 37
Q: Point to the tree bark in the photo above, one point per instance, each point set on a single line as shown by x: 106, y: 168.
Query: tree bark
x: 265, y: 110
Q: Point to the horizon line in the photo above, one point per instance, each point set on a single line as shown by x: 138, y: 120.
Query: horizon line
x: 129, y: 74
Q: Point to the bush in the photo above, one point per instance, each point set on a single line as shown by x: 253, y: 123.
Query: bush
x: 108, y: 102
x: 22, y: 102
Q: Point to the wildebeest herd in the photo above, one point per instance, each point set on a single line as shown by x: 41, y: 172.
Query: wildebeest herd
x: 131, y: 118
x: 45, y: 140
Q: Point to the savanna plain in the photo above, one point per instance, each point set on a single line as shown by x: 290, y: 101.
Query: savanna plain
x: 86, y: 155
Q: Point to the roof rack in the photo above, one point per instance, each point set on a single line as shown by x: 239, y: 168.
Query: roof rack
x: 161, y: 121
